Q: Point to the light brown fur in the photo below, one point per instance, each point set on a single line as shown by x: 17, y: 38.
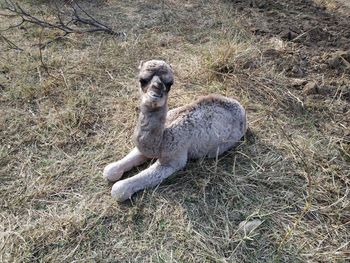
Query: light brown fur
x: 206, y: 127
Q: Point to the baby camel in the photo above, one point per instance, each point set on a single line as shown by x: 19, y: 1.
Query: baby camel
x: 206, y: 127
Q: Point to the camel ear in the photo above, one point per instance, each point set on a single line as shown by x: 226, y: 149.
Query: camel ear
x: 141, y: 64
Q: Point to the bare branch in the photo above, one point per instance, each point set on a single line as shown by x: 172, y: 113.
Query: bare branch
x: 66, y: 27
x: 14, y: 26
x: 93, y: 19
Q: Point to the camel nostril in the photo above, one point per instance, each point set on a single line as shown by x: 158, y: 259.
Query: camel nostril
x: 155, y: 86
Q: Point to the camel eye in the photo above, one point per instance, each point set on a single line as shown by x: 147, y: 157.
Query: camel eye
x: 168, y: 85
x: 143, y: 82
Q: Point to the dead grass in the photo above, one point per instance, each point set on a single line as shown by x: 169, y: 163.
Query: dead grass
x: 68, y: 112
x: 341, y: 6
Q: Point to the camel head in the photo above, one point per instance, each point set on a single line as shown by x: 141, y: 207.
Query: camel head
x: 156, y: 78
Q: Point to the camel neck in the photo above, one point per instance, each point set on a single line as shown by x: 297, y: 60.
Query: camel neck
x: 149, y: 130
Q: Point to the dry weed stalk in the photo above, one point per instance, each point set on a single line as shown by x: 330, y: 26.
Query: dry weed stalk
x: 10, y: 44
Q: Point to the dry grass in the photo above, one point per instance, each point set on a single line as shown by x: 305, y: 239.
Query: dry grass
x: 66, y: 113
x: 341, y: 6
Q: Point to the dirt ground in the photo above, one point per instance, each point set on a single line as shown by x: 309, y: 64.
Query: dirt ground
x: 70, y: 108
x: 319, y: 37
x: 310, y: 42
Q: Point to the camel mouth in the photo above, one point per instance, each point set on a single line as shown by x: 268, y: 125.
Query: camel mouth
x: 155, y: 95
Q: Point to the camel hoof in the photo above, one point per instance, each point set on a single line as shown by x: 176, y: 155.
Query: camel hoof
x: 120, y: 192
x: 113, y: 172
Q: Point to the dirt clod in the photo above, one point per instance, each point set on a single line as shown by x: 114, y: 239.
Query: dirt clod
x: 297, y: 72
x: 298, y: 82
x: 310, y: 88
x: 288, y: 34
x: 339, y: 59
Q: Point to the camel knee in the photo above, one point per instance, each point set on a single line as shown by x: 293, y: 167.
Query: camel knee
x: 113, y: 172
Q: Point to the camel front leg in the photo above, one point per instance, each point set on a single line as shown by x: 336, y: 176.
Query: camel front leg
x: 114, y: 171
x: 150, y: 177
